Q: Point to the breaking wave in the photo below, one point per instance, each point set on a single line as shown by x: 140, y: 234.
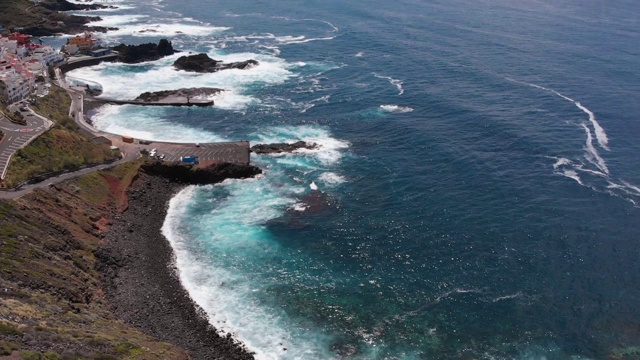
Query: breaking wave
x: 395, y: 82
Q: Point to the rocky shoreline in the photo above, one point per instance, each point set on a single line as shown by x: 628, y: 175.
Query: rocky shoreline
x: 137, y: 266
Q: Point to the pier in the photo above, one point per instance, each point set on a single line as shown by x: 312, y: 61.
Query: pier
x: 176, y: 101
x: 237, y: 152
x: 82, y: 61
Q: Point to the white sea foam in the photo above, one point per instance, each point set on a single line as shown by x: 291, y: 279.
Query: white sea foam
x: 561, y: 162
x: 160, y: 75
x: 300, y: 207
x: 276, y: 40
x: 311, y: 104
x: 581, y: 168
x: 135, y: 25
x: 601, y: 135
x: 359, y: 54
x: 332, y: 179
x: 592, y: 154
x: 289, y: 40
x: 329, y: 149
x: 148, y: 123
x: 234, y: 231
x: 632, y: 187
x: 396, y: 108
x: 591, y: 177
x: 333, y: 27
x: 395, y: 82
x: 507, y: 297
x: 572, y: 174
x: 108, y: 10
x: 232, y: 100
x: 117, y: 20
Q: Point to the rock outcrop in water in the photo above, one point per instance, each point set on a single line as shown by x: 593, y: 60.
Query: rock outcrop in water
x: 202, y: 63
x: 133, y: 54
x: 169, y: 95
x: 282, y: 147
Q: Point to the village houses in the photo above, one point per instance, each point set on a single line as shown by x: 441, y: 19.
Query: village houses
x: 21, y: 62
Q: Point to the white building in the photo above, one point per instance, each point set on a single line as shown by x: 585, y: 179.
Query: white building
x: 47, y: 55
x: 15, y: 86
x: 9, y: 45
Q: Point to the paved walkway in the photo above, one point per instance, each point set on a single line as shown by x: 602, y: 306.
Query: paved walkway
x: 12, y: 194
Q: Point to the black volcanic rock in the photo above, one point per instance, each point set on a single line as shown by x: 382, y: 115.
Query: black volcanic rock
x: 156, y: 96
x: 137, y: 265
x: 64, y: 5
x: 281, y: 147
x: 202, y: 63
x: 184, y: 174
x: 132, y: 54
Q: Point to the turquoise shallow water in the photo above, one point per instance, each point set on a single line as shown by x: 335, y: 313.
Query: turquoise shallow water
x: 478, y: 174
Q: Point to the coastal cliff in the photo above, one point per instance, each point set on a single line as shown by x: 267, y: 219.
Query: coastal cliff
x: 45, y: 18
x: 85, y: 272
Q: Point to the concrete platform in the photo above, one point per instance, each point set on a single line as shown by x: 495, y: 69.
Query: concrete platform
x: 232, y: 152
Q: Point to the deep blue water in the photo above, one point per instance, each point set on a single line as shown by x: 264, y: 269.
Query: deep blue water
x: 479, y: 174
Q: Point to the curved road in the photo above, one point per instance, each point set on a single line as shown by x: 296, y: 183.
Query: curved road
x: 12, y: 194
x: 18, y: 136
x: 234, y: 152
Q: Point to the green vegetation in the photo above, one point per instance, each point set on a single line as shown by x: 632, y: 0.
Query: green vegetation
x: 15, y: 116
x: 7, y: 347
x: 8, y: 329
x: 61, y: 148
x: 104, y: 187
x: 52, y: 72
x: 56, y: 106
x: 52, y: 301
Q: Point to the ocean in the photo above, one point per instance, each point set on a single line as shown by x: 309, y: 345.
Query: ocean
x: 478, y: 173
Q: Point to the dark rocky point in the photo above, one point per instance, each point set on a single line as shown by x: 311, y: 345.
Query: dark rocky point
x: 282, y: 147
x: 132, y: 54
x: 157, y: 96
x: 185, y: 174
x: 202, y: 63
x: 64, y: 5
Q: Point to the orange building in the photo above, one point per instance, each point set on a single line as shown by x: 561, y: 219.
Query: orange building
x: 83, y: 42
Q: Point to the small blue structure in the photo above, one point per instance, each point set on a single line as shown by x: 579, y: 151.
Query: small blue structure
x: 189, y: 159
x: 99, y: 52
x: 1, y: 27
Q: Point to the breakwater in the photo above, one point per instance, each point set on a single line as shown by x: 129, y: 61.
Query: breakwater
x: 176, y: 102
x: 87, y: 61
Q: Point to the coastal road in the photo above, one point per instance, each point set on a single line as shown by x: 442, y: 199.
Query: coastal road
x: 207, y: 153
x: 18, y: 136
x: 57, y: 179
